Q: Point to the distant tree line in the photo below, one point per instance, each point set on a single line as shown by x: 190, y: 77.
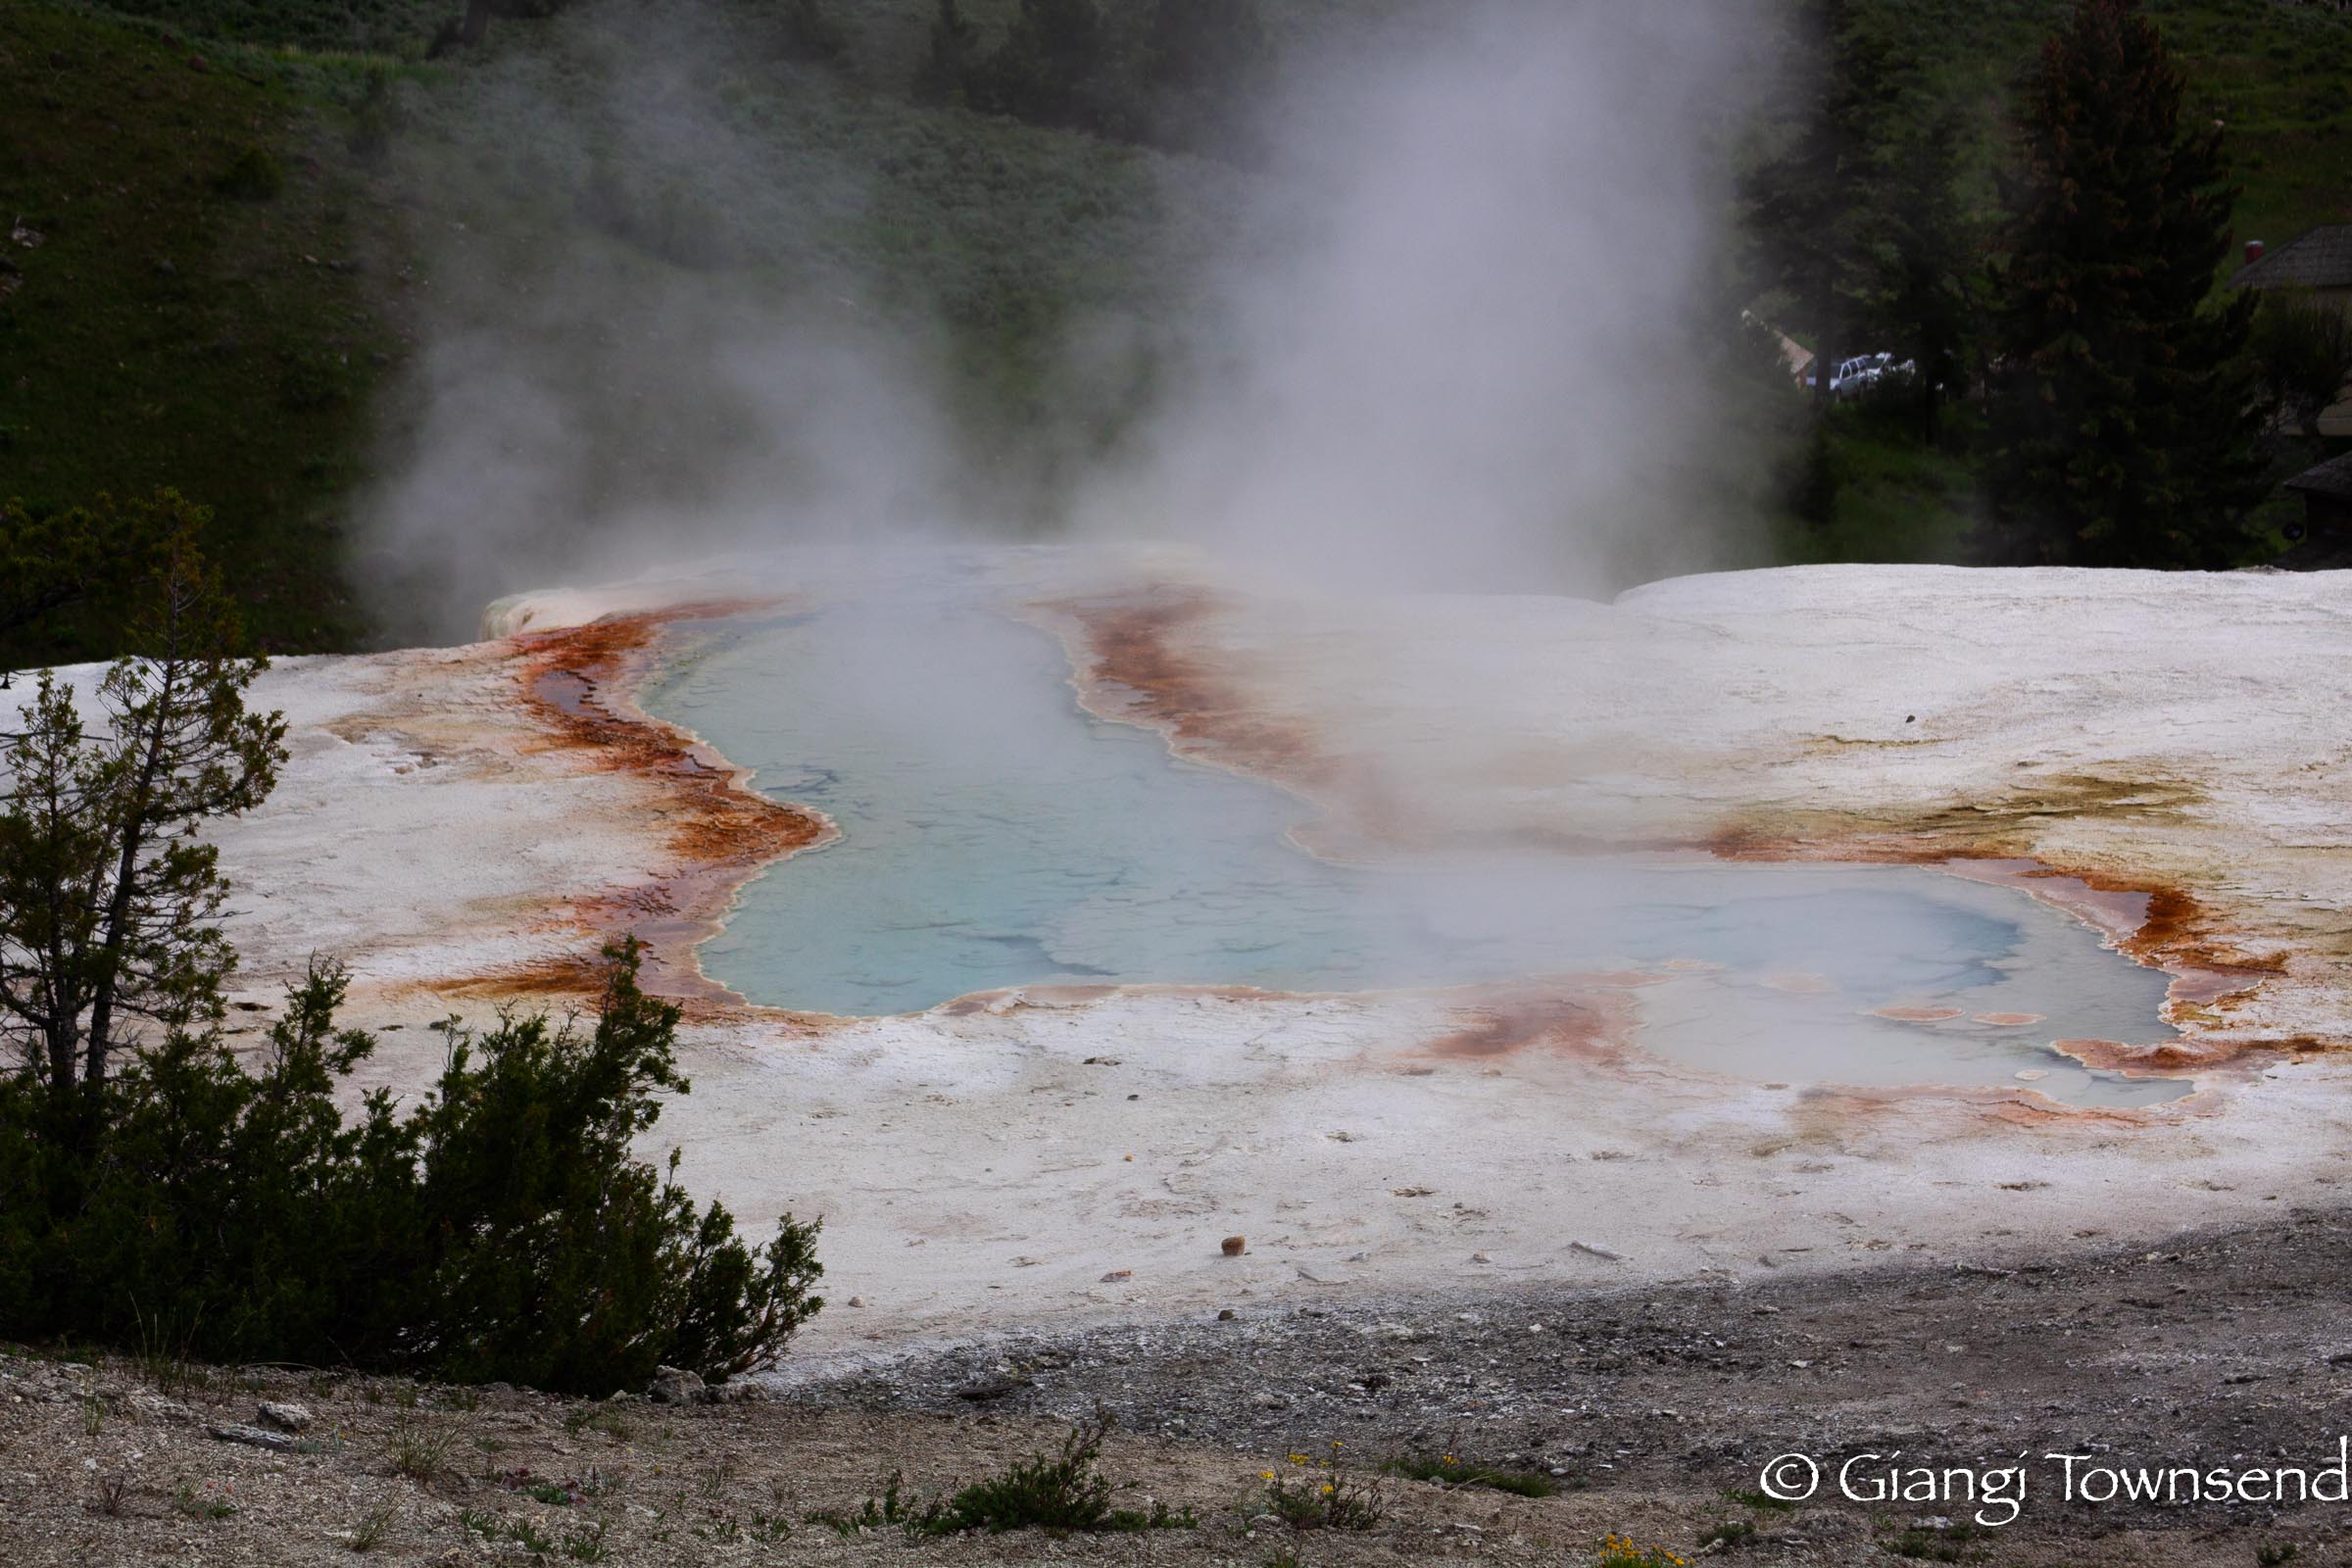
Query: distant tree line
x: 2127, y: 412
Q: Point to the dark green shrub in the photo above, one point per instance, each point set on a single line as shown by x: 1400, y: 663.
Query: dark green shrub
x: 374, y: 120
x: 811, y: 33
x: 1322, y: 1494
x: 1923, y: 1544
x: 502, y: 1231
x: 1065, y: 1492
x: 1449, y: 1470
x: 1051, y: 68
x: 254, y: 175
x: 1058, y: 1492
x: 947, y: 55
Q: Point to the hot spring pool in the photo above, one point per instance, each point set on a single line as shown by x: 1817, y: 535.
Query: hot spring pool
x: 993, y: 834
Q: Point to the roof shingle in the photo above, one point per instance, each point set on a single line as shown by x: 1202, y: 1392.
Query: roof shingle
x: 2318, y: 258
x: 2331, y: 479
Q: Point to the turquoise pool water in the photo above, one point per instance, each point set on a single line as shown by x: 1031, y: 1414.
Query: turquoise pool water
x: 993, y: 834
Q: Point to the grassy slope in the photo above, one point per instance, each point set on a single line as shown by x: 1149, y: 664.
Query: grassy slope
x: 243, y: 375
x: 167, y: 332
x: 2279, y: 75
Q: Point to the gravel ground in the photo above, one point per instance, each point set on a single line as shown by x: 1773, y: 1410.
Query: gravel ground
x: 2226, y: 1348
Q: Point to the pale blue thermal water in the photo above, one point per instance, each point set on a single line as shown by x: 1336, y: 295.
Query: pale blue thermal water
x: 994, y: 834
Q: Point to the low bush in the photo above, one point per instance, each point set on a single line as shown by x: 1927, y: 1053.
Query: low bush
x: 501, y: 1229
x: 1322, y: 1494
x: 254, y: 175
x: 1064, y: 1493
x: 1921, y: 1543
x: 1450, y: 1470
x: 1732, y: 1535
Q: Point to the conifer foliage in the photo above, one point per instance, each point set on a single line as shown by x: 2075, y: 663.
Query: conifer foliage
x: 158, y: 1191
x: 2125, y: 407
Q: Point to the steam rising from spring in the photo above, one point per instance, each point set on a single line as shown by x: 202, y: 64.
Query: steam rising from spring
x: 1454, y: 353
x: 1439, y: 339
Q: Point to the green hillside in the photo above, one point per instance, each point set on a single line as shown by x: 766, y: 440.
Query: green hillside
x: 181, y: 304
x: 2277, y: 72
x: 228, y: 195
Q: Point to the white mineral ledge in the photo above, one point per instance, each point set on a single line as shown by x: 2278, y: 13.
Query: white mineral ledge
x: 974, y: 1172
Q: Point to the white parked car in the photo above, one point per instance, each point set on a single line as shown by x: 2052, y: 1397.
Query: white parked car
x: 1859, y: 375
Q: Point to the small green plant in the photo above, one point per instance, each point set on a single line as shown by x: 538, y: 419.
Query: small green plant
x: 1159, y: 1516
x: 1450, y: 1470
x: 1935, y: 1546
x: 2271, y: 1555
x: 554, y: 1493
x: 724, y: 1528
x: 421, y: 1451
x: 166, y: 1353
x: 1622, y: 1551
x: 1065, y: 1492
x: 254, y: 175
x: 714, y: 1478
x: 213, y: 1501
x: 1286, y: 1556
x: 1731, y: 1535
x: 93, y: 1414
x: 368, y: 1533
x: 1322, y: 1494
x: 503, y: 1527
x: 587, y: 1545
x: 1761, y: 1501
x: 894, y: 1507
x: 769, y: 1528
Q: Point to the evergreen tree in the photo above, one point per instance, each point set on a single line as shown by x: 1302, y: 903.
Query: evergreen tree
x: 108, y: 900
x: 1047, y: 70
x: 2124, y: 405
x: 811, y: 33
x: 1927, y: 254
x: 948, y: 57
x: 81, y: 557
x: 501, y: 1229
x: 1203, y: 60
x: 1810, y: 203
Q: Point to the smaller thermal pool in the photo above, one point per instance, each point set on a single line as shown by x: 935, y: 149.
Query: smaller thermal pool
x: 993, y: 834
